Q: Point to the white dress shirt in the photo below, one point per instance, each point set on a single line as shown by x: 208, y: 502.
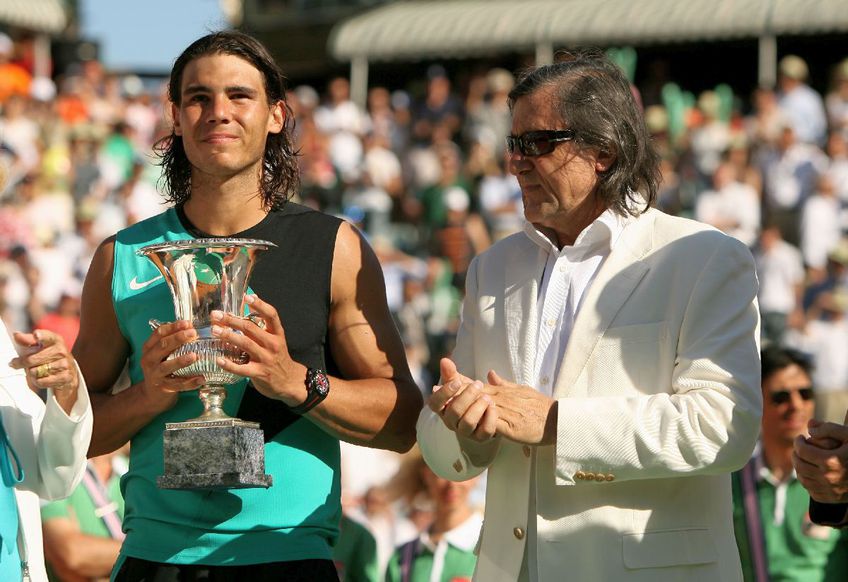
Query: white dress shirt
x: 567, y: 275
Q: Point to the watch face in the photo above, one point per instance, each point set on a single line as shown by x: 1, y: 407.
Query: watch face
x: 316, y: 380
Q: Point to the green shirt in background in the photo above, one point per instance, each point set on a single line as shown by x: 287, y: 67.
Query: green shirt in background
x: 452, y: 557
x: 355, y: 553
x: 80, y: 508
x: 797, y: 550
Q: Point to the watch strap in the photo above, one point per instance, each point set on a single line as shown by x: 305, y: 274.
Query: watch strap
x: 317, y: 388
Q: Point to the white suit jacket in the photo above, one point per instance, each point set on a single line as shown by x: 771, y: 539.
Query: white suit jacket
x: 659, y: 400
x: 50, y: 444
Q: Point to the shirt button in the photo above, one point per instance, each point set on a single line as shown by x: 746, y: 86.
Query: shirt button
x: 526, y: 450
x: 545, y: 379
x: 518, y: 533
x: 562, y: 268
x: 551, y: 323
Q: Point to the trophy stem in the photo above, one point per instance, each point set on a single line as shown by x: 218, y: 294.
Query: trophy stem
x: 212, y: 398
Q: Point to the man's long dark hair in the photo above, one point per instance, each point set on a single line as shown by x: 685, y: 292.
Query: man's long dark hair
x: 595, y: 100
x: 280, y: 178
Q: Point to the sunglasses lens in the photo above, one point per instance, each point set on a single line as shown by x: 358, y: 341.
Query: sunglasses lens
x: 779, y: 398
x: 538, y: 146
x: 783, y: 396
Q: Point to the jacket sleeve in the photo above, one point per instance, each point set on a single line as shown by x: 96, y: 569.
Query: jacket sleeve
x: 439, y: 445
x: 708, y: 421
x: 50, y: 444
x: 63, y: 443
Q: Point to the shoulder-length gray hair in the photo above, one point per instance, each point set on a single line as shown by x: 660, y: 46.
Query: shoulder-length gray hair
x: 596, y: 101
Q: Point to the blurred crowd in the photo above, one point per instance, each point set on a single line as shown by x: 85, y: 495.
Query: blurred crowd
x: 421, y: 170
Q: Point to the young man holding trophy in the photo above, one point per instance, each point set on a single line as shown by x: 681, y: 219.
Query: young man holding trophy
x: 319, y: 356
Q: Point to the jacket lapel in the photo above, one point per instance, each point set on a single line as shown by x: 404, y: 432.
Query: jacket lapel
x: 521, y: 278
x: 619, y: 275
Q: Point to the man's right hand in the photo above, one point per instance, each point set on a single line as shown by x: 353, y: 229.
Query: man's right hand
x: 160, y: 387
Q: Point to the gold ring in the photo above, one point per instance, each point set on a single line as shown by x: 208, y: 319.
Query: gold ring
x: 42, y: 371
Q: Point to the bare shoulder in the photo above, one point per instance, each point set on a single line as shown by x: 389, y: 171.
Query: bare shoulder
x: 356, y: 269
x: 100, y: 348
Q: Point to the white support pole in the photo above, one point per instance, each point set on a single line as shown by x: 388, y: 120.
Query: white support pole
x: 767, y: 74
x: 359, y: 80
x: 544, y: 53
x: 41, y: 67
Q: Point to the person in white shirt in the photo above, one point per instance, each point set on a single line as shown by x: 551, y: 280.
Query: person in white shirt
x: 800, y: 102
x: 733, y: 207
x: 606, y: 370
x: 42, y: 444
x: 821, y: 224
x: 780, y: 270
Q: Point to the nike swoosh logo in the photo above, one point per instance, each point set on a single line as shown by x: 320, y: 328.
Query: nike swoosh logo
x: 135, y: 285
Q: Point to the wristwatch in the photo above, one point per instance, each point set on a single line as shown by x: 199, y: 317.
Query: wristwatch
x: 317, y: 388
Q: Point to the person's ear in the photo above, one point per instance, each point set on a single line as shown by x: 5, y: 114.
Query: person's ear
x: 604, y: 161
x: 277, y: 119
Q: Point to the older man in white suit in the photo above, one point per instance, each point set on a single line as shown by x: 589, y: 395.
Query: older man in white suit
x: 607, y: 367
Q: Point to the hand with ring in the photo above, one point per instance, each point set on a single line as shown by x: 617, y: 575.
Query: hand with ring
x: 48, y: 364
x: 42, y: 371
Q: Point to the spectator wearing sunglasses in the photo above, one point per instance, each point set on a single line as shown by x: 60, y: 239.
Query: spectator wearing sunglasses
x: 776, y: 537
x: 606, y: 370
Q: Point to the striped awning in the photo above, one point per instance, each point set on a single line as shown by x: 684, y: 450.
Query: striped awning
x: 423, y: 29
x: 37, y: 15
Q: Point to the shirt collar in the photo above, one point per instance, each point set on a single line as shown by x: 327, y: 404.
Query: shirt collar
x: 464, y: 536
x: 602, y: 232
x: 762, y: 471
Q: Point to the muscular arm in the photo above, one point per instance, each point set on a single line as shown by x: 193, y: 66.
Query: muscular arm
x: 101, y: 351
x: 376, y: 402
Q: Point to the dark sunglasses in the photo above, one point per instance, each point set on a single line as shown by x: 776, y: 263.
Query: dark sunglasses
x: 537, y: 143
x: 783, y: 396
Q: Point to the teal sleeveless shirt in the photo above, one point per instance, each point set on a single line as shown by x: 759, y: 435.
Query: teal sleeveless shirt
x: 296, y: 518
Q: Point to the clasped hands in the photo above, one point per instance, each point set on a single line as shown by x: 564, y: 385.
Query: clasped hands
x: 821, y: 461
x: 268, y: 365
x: 481, y: 412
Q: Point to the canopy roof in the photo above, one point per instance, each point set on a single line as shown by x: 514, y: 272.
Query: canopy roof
x: 424, y: 29
x: 38, y: 15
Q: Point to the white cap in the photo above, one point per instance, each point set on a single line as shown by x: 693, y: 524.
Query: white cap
x: 6, y: 44
x: 456, y: 199
x: 43, y: 89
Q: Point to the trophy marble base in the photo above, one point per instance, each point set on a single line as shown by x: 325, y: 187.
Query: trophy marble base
x: 214, y: 454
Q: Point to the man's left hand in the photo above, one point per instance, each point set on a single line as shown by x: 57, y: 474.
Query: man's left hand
x: 270, y: 367
x: 525, y: 415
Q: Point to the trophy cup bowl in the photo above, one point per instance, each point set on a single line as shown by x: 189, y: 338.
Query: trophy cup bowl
x: 213, y: 450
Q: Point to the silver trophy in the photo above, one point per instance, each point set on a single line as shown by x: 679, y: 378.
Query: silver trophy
x: 213, y: 450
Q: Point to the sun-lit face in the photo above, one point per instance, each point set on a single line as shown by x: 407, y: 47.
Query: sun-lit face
x: 557, y: 188
x: 447, y: 494
x: 224, y: 117
x: 782, y: 422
